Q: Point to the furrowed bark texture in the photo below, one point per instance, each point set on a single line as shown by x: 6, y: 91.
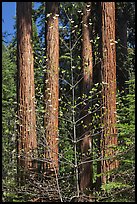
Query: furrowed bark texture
x: 108, y: 73
x: 51, y: 86
x: 86, y: 144
x: 27, y: 141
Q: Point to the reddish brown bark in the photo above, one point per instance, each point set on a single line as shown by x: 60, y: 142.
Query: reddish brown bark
x: 51, y: 86
x: 27, y: 141
x: 86, y: 144
x: 108, y: 73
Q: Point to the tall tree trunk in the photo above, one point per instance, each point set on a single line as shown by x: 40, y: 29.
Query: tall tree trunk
x: 51, y: 87
x: 86, y: 144
x: 27, y: 141
x: 97, y: 79
x: 121, y: 29
x: 108, y: 73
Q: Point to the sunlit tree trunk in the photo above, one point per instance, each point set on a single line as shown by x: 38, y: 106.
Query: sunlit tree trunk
x: 51, y: 87
x: 108, y: 140
x: 86, y: 144
x: 27, y: 141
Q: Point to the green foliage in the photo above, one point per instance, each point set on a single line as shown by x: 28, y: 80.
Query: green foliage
x: 126, y: 115
x: 113, y: 186
x: 8, y: 121
x: 122, y: 189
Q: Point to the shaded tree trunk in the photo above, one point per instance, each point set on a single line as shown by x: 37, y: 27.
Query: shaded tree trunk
x: 121, y: 30
x: 97, y: 79
x: 51, y: 87
x: 27, y: 141
x: 108, y: 75
x: 86, y: 144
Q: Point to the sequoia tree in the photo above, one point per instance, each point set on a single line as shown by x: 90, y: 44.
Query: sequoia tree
x: 108, y: 140
x: 51, y: 87
x: 27, y: 141
x: 86, y: 144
